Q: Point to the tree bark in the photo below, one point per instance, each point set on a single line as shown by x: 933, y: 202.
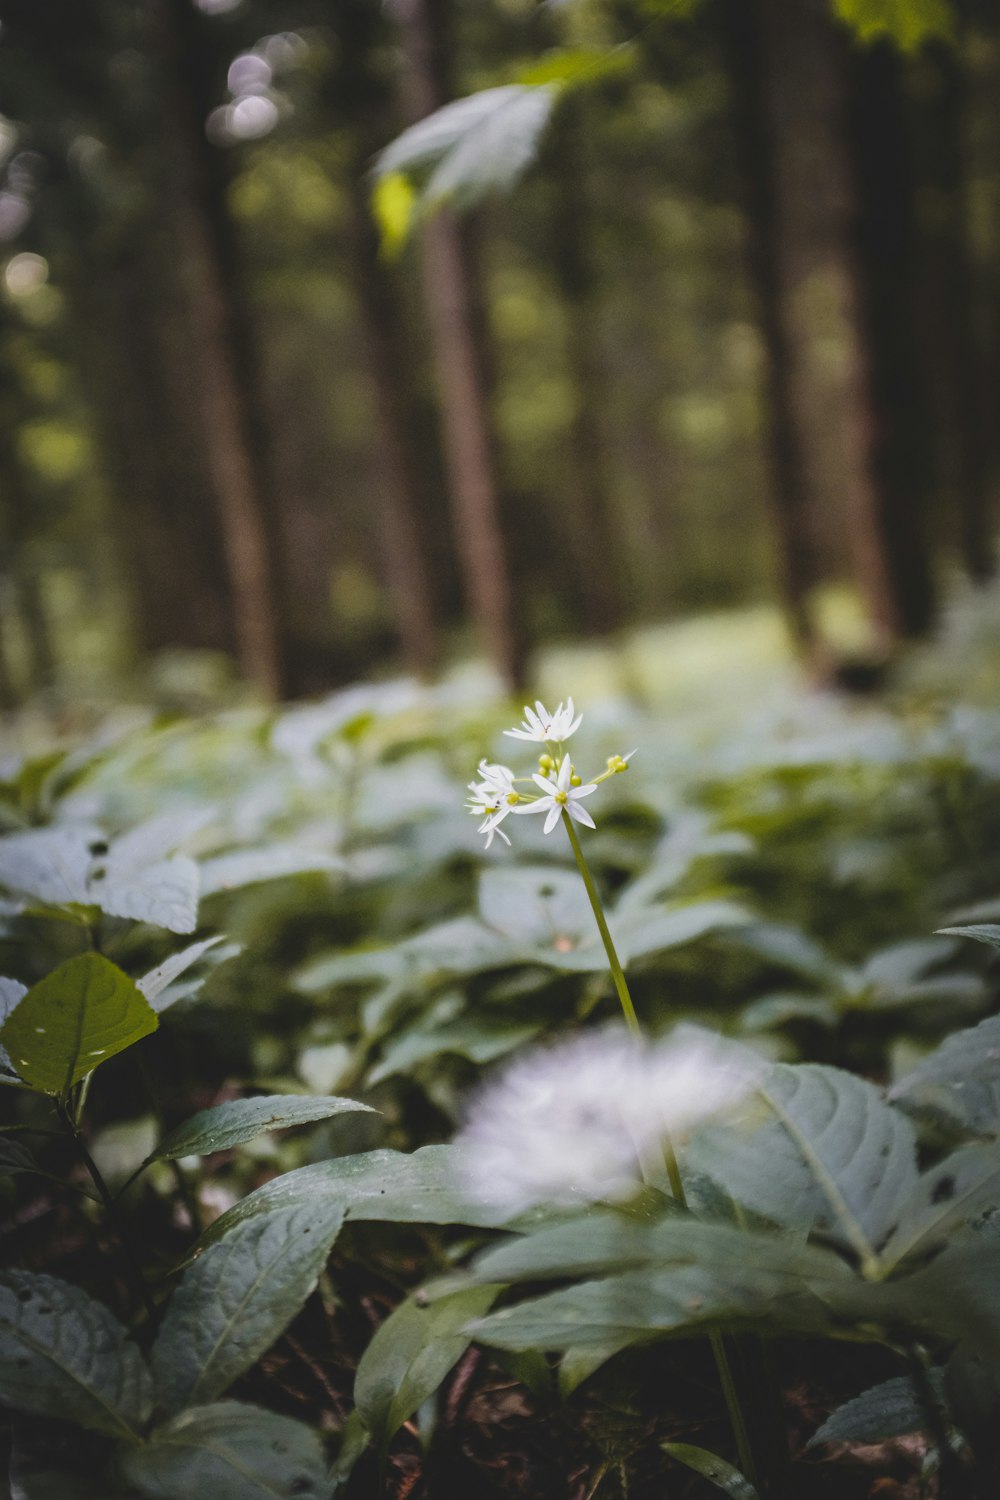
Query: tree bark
x: 753, y: 81
x: 235, y: 479
x: 469, y: 445
x: 901, y: 452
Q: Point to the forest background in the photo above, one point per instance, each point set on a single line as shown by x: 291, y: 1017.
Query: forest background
x: 734, y: 336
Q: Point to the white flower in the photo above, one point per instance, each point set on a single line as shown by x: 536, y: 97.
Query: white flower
x: 491, y: 797
x: 559, y: 794
x: 573, y: 1123
x: 542, y: 727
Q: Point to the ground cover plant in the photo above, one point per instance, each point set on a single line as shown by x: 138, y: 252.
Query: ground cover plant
x: 345, y: 1154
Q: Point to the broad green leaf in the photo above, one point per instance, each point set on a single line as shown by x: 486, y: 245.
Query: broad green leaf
x: 237, y: 1298
x: 157, y: 982
x: 15, y: 1157
x: 788, y: 948
x: 604, y: 1241
x: 74, y: 1019
x: 227, y: 1451
x: 238, y: 1120
x: 577, y: 1365
x: 946, y: 1195
x: 907, y: 23
x: 50, y: 865
x: 479, y: 1040
x: 642, y: 932
x: 536, y: 906
x: 960, y: 1081
x: 981, y: 932
x: 411, y: 1354
x: 888, y: 1410
x: 64, y: 1355
x: 151, y: 842
x: 737, y: 1291
x: 713, y: 1468
x: 381, y: 1186
x: 164, y: 894
x: 230, y: 872
x: 818, y: 1148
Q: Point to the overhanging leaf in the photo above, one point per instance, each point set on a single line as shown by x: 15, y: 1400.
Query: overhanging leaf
x: 165, y: 894
x: 64, y: 1355
x: 238, y: 1120
x: 74, y: 1019
x: 981, y: 932
x: 156, y: 984
x: 411, y: 1354
x: 380, y: 1186
x: 228, y: 1451
x: 960, y: 1081
x: 50, y: 865
x: 237, y: 1298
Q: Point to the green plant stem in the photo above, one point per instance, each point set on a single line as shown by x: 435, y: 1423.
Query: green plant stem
x: 111, y: 1210
x: 741, y: 1432
x: 617, y: 973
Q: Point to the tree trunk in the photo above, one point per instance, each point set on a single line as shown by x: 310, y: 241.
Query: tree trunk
x: 591, y: 541
x: 214, y: 370
x: 955, y: 356
x: 469, y: 447
x: 755, y: 83
x: 901, y: 452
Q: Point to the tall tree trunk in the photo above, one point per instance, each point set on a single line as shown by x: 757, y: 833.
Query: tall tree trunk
x: 592, y: 541
x: 469, y: 445
x: 955, y: 355
x: 236, y: 482
x: 754, y: 79
x: 402, y: 542
x: 902, y: 456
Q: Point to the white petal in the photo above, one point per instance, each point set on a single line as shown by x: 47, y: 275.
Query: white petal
x: 565, y: 772
x: 580, y: 814
x: 548, y: 786
x: 539, y: 805
x: 523, y: 734
x: 582, y: 791
x: 555, y: 811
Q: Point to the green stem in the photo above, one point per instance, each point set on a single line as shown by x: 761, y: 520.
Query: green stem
x: 596, y: 907
x: 110, y: 1209
x: 737, y: 1420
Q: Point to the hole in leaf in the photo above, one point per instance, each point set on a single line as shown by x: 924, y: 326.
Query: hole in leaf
x: 943, y: 1190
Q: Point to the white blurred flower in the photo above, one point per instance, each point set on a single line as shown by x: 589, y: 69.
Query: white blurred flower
x: 542, y: 727
x: 559, y: 794
x: 573, y: 1123
x: 491, y: 799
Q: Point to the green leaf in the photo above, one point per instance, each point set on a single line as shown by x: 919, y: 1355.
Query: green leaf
x: 710, y: 1466
x: 473, y: 146
x: 819, y: 1148
x: 960, y: 1082
x: 229, y: 1451
x: 411, y: 1354
x: 946, y: 1195
x: 353, y: 1442
x: 64, y: 1355
x: 239, y: 1120
x: 980, y: 932
x: 156, y: 984
x: 380, y: 1186
x: 572, y: 66
x: 237, y: 1298
x: 50, y: 865
x: 720, y: 1277
x: 242, y: 867
x: 907, y: 23
x: 74, y: 1019
x: 888, y: 1410
x: 164, y: 894
x: 577, y: 1365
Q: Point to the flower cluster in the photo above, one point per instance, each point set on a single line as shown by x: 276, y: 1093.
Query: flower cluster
x: 559, y: 788
x: 577, y: 1122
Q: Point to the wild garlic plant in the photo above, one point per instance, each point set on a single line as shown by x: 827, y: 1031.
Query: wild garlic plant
x: 609, y: 1143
